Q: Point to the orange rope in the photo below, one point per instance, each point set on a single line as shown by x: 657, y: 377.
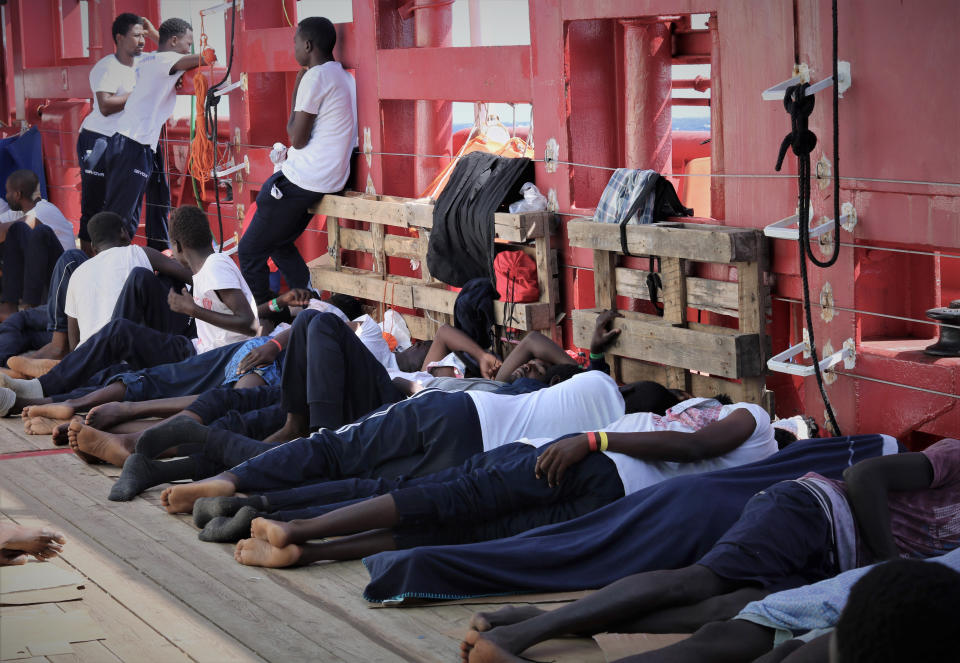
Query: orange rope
x: 202, y: 158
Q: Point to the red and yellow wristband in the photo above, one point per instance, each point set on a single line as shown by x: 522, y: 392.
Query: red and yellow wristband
x: 592, y: 438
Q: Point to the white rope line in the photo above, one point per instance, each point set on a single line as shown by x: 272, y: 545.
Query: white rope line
x: 896, y: 384
x: 879, y: 315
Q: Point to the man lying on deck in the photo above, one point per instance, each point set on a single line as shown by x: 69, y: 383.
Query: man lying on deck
x: 318, y: 394
x: 513, y: 488
x: 221, y: 304
x: 428, y: 432
x: 803, y: 618
x: 793, y: 533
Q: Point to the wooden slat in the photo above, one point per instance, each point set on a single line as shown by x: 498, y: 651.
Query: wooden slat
x: 703, y: 294
x: 403, y: 212
x: 395, y: 246
x: 675, y: 311
x: 692, y: 241
x: 704, y: 386
x: 730, y: 353
x: 361, y: 283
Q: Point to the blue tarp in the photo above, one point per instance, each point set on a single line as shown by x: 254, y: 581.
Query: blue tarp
x: 22, y: 151
x: 670, y: 525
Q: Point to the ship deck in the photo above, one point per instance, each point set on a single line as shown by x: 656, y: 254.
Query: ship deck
x: 159, y: 594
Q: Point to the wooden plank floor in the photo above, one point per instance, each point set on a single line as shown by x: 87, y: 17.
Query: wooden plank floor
x: 160, y: 594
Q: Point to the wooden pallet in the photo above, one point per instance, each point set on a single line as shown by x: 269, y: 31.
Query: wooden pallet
x: 426, y: 294
x: 699, y: 358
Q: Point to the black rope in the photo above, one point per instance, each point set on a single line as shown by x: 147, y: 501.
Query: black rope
x: 212, y: 119
x: 802, y: 141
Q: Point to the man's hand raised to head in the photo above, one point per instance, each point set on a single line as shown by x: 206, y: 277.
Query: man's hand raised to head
x: 603, y: 334
x: 295, y: 297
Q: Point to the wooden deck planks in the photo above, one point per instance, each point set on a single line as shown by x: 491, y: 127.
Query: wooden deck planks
x: 188, y: 600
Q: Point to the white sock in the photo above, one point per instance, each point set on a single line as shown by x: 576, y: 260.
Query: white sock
x: 7, y: 398
x: 29, y: 389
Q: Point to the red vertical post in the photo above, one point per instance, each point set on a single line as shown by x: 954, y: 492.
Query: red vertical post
x: 433, y: 119
x: 647, y: 94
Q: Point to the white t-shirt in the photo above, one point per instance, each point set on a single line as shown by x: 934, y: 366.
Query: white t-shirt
x: 585, y: 402
x: 50, y: 215
x: 108, y: 75
x: 96, y: 285
x: 219, y: 272
x: 638, y: 474
x: 323, y: 164
x: 151, y: 103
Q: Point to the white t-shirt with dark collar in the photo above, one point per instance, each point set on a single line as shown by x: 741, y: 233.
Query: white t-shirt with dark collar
x: 49, y: 215
x: 154, y: 96
x: 219, y: 272
x: 323, y: 164
x: 112, y: 76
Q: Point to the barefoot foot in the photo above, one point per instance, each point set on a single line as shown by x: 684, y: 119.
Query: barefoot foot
x: 256, y: 552
x: 59, y: 436
x: 278, y: 533
x: 483, y: 648
x: 180, y: 499
x: 484, y: 621
x: 49, y: 410
x: 42, y: 425
x: 88, y: 441
x: 108, y: 415
x: 32, y: 367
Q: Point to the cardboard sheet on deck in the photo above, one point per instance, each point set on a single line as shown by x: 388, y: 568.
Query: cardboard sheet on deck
x: 620, y: 645
x: 38, y: 582
x: 44, y: 631
x: 550, y: 597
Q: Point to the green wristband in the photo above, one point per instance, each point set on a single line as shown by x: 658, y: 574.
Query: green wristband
x: 596, y: 355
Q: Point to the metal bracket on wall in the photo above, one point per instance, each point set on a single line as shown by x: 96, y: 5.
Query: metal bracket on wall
x: 550, y: 155
x: 801, y: 74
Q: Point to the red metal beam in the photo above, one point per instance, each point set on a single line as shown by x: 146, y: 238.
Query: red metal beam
x: 475, y: 73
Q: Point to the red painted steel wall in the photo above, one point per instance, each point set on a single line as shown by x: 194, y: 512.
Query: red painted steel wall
x: 898, y: 142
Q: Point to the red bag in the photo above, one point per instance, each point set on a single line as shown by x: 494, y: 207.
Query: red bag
x: 516, y: 277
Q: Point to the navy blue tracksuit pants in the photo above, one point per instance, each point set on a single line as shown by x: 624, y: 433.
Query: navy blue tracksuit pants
x: 143, y: 300
x: 255, y: 413
x: 490, y: 496
x: 329, y: 374
x: 33, y: 328
x: 431, y: 431
x: 276, y: 225
x: 128, y: 166
x: 29, y: 256
x: 118, y: 341
x: 93, y: 182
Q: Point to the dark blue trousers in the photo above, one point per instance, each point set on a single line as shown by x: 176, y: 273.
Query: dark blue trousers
x: 276, y: 225
x: 29, y: 255
x: 158, y: 204
x: 118, y: 340
x: 23, y: 331
x: 59, y: 281
x: 215, y: 403
x: 431, y: 431
x: 329, y: 374
x: 128, y: 166
x: 33, y: 328
x: 492, y: 495
x: 92, y: 179
x: 253, y: 424
x: 143, y: 300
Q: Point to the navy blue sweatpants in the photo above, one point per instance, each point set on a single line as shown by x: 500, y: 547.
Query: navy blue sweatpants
x: 29, y: 255
x: 92, y: 179
x: 490, y: 496
x: 255, y: 413
x: 431, y: 431
x: 128, y: 166
x: 158, y: 204
x: 143, y: 300
x: 276, y: 225
x: 329, y: 374
x: 118, y: 340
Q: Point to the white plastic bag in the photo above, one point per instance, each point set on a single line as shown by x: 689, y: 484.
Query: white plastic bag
x: 533, y: 200
x: 394, y: 324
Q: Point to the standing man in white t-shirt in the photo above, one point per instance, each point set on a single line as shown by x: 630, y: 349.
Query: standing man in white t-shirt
x: 323, y: 132
x: 130, y: 154
x: 111, y: 81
